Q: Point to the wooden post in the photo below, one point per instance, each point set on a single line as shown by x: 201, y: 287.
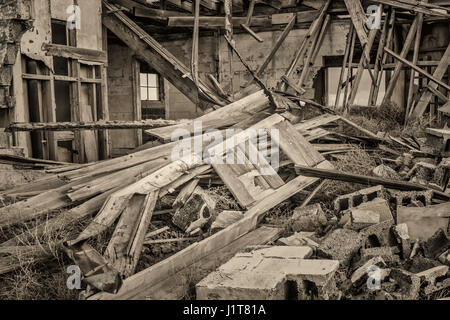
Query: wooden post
x: 315, y: 42
x: 344, y: 63
x: 349, y: 70
x: 378, y: 66
x: 415, y: 59
x: 388, y: 43
x: 362, y: 63
x: 301, y: 50
x: 398, y: 65
x: 228, y: 8
x: 194, y: 55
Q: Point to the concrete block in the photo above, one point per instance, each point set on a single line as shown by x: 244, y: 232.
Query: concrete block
x: 379, y: 206
x: 378, y: 235
x: 279, y: 252
x: 407, y: 198
x: 432, y: 274
x: 270, y: 273
x: 354, y: 199
x: 341, y: 245
x: 196, y: 212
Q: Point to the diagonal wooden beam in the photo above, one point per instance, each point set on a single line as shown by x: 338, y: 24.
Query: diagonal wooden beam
x: 439, y: 73
x: 413, y: 7
x: 398, y: 65
x: 359, y: 19
x: 157, y: 56
x: 362, y: 64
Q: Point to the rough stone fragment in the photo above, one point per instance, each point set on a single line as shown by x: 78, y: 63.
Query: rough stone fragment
x: 384, y: 171
x: 309, y: 218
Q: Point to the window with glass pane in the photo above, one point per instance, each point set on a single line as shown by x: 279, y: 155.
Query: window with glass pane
x: 149, y: 83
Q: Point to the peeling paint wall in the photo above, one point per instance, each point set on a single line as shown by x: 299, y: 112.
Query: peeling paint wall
x: 15, y: 18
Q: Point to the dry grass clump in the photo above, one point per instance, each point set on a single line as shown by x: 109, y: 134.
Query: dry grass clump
x: 357, y: 161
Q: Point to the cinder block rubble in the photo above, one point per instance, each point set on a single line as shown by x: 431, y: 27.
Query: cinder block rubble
x: 271, y: 273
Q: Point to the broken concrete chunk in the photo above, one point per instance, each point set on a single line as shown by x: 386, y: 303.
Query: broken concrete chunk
x: 384, y: 171
x: 402, y: 235
x: 271, y: 273
x: 226, y: 218
x: 361, y: 274
x: 196, y: 212
x: 380, y: 206
x: 299, y: 239
x: 432, y: 274
x: 445, y: 258
x: 341, y: 245
x: 387, y: 253
x: 408, y: 284
x: 361, y: 218
x: 441, y: 175
x: 436, y: 244
x: 309, y: 218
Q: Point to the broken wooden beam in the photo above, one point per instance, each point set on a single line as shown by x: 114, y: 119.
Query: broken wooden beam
x: 218, y: 22
x: 416, y: 68
x: 94, y: 125
x: 416, y: 7
x: 136, y: 286
x: 366, y: 180
x: 438, y: 73
x: 359, y: 19
x: 157, y: 56
x: 76, y: 53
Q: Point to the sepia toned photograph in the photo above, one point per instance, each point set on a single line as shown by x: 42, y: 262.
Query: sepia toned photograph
x: 225, y: 154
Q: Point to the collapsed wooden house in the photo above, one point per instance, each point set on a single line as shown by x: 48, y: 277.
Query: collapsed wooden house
x: 97, y: 95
